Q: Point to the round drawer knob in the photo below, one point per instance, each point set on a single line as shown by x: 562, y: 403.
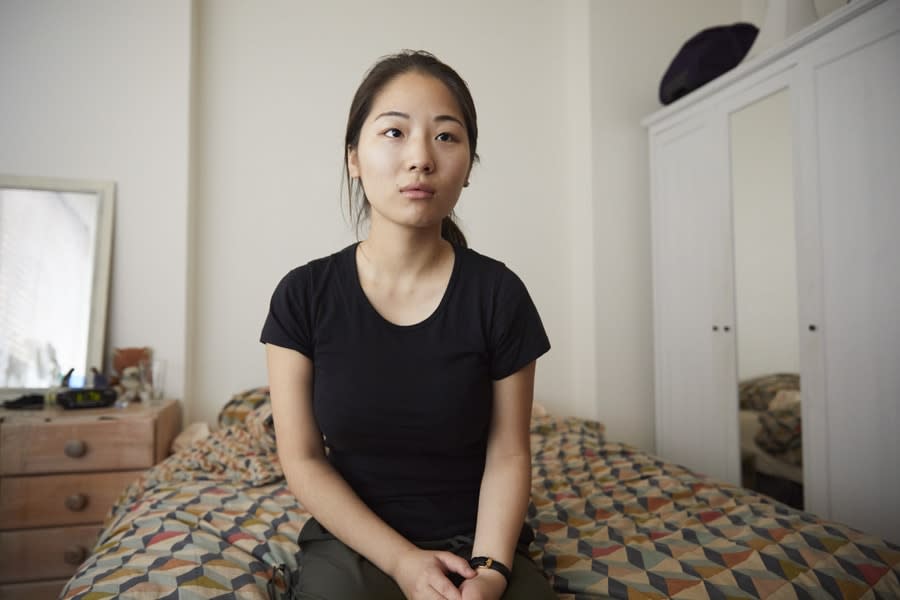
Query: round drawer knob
x: 75, y: 448
x: 76, y: 502
x: 75, y: 555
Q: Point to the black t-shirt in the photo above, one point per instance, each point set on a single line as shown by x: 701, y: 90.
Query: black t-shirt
x: 405, y: 409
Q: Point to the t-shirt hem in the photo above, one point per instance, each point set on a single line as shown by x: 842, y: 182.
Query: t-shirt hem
x: 304, y: 351
x: 518, y: 365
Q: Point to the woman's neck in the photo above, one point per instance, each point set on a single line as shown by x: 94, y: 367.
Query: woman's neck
x: 403, y: 253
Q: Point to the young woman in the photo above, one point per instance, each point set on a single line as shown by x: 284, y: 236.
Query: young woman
x: 401, y: 369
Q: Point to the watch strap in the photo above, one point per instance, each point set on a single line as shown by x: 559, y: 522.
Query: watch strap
x: 486, y: 562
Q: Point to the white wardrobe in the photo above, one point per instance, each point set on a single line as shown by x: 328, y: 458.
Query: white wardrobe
x: 837, y: 87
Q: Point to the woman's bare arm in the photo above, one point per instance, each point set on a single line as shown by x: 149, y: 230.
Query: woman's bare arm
x: 506, y: 483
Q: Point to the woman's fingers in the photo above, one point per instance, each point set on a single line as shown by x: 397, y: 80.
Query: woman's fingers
x: 439, y: 592
x: 455, y: 563
x: 445, y: 589
x: 436, y: 582
x: 431, y: 582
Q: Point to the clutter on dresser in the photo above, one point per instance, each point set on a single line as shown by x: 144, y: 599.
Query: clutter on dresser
x: 71, y: 392
x: 134, y: 376
x: 137, y: 375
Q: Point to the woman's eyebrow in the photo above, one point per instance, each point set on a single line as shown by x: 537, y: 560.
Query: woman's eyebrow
x: 441, y: 118
x: 392, y: 113
x: 403, y: 115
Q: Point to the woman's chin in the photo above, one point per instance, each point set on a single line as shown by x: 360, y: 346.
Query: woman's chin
x: 418, y: 221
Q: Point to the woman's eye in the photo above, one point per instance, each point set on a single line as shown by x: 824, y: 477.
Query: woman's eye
x: 393, y: 132
x: 445, y: 137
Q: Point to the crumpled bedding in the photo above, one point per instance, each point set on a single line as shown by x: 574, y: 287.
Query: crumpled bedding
x: 217, y: 520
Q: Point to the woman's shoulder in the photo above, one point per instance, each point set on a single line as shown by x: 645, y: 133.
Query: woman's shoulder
x: 324, y: 263
x: 487, y: 263
x: 482, y: 262
x: 492, y: 270
x: 317, y: 269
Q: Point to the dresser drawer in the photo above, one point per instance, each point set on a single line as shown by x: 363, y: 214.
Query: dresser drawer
x: 38, y: 590
x: 51, y: 500
x: 51, y: 553
x: 71, y: 445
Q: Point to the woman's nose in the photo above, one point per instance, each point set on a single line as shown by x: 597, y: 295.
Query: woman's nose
x: 420, y: 156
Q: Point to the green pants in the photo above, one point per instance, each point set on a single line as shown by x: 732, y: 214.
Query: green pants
x: 330, y: 570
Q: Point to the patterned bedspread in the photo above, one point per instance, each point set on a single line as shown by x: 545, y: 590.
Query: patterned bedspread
x: 217, y: 520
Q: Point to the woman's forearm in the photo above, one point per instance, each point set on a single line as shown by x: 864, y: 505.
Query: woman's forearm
x: 502, y: 504
x: 325, y: 494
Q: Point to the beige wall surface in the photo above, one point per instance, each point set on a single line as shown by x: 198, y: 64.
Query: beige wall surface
x: 222, y: 124
x: 274, y: 89
x: 632, y: 45
x: 100, y: 90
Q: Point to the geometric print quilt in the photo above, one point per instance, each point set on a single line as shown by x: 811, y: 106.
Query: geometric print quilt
x: 612, y: 521
x: 216, y: 520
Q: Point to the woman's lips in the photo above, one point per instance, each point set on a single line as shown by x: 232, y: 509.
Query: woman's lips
x: 417, y: 191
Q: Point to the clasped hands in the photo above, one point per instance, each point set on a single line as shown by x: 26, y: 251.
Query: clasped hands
x: 422, y: 575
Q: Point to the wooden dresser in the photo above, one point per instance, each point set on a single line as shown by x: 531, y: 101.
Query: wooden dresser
x: 60, y: 472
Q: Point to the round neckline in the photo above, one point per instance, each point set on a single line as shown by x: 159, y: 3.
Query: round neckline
x: 354, y: 274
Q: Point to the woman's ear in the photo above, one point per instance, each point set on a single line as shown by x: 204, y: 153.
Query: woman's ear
x: 352, y: 162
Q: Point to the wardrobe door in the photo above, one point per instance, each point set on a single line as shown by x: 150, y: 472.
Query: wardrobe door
x: 692, y: 400
x: 857, y: 94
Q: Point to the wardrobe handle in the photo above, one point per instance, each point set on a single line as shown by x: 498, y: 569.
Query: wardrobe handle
x: 727, y: 328
x: 715, y: 327
x: 812, y: 327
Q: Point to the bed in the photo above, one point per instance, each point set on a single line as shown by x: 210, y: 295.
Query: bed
x: 217, y: 520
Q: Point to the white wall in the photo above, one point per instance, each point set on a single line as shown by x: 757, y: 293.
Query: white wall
x: 100, y: 90
x: 632, y: 45
x: 561, y: 194
x: 274, y: 90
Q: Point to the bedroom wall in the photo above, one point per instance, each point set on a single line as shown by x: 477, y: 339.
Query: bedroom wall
x: 100, y: 90
x: 632, y: 44
x: 275, y: 82
x: 560, y: 89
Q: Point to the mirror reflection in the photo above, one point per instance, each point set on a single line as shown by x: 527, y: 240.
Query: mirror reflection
x: 54, y: 265
x: 765, y: 269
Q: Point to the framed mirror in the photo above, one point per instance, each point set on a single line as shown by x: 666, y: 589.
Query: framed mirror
x: 55, y: 249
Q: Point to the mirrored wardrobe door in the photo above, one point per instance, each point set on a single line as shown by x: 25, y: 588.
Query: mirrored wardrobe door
x: 766, y: 297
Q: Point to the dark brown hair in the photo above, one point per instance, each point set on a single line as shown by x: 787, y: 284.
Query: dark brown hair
x: 382, y: 73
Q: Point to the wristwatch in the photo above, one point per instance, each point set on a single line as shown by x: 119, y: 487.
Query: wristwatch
x: 486, y: 562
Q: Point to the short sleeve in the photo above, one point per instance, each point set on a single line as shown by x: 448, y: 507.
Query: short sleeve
x: 517, y: 333
x: 289, y: 323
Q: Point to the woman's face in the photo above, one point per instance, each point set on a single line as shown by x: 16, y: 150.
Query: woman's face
x: 413, y: 152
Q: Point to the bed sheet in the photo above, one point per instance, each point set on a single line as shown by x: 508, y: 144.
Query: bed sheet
x: 217, y: 520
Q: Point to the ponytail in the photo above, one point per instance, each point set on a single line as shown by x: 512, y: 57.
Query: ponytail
x: 451, y: 232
